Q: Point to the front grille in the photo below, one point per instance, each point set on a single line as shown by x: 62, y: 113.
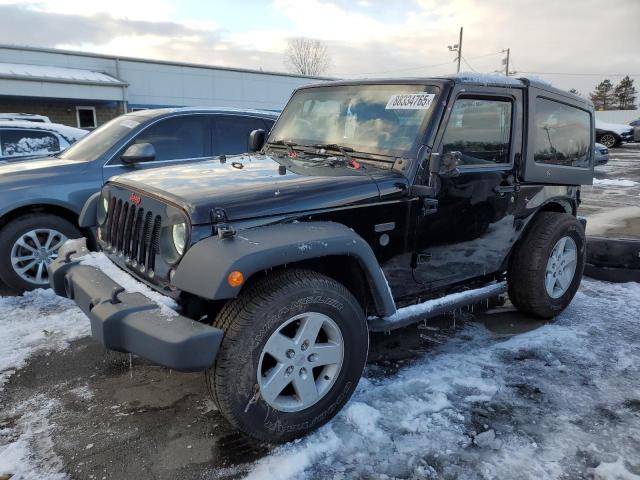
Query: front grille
x: 133, y: 232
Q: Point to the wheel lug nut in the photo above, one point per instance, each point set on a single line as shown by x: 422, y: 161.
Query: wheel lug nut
x: 290, y: 353
x: 313, y: 357
x: 303, y: 372
x: 304, y: 345
x: 288, y: 370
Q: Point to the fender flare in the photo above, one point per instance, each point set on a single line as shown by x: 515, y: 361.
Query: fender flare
x: 204, y: 269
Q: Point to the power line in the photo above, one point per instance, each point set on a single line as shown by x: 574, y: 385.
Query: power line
x: 468, y: 64
x: 418, y: 68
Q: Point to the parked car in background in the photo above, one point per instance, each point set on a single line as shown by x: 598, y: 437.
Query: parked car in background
x: 25, y: 117
x: 22, y: 139
x: 636, y: 130
x: 613, y: 134
x: 40, y: 199
x: 602, y: 154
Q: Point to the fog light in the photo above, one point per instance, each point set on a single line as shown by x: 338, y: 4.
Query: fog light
x: 235, y: 279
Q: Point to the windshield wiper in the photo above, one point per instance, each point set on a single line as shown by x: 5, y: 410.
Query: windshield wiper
x: 289, y: 145
x: 345, y: 151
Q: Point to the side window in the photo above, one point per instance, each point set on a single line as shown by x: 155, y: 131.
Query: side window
x: 480, y: 129
x: 17, y: 143
x: 178, y: 138
x: 231, y: 134
x: 563, y: 134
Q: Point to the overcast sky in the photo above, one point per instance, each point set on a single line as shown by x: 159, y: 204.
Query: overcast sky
x: 572, y: 43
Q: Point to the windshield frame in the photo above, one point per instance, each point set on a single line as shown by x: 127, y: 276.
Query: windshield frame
x: 142, y: 118
x: 380, y: 155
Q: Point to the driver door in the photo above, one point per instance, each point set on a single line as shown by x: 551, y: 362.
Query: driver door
x: 472, y: 229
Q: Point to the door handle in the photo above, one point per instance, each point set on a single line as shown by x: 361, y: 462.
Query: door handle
x: 502, y: 189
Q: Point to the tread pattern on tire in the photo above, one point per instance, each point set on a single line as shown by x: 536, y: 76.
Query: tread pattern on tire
x: 240, y: 312
x: 530, y: 257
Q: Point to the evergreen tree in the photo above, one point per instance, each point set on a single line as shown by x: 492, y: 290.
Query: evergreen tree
x: 603, y: 97
x: 625, y: 94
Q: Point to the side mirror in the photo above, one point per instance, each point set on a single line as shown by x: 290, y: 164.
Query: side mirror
x: 138, y: 152
x: 256, y: 140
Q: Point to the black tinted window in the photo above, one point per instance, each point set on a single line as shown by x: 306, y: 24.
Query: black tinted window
x: 480, y: 130
x: 563, y: 134
x: 178, y: 138
x: 16, y: 143
x: 231, y: 134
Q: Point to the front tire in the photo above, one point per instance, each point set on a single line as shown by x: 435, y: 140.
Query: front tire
x: 546, y: 267
x: 28, y: 244
x: 294, y: 349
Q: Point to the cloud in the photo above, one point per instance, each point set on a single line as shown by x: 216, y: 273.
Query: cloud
x: 372, y: 37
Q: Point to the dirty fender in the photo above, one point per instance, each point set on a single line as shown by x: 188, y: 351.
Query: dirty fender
x: 204, y: 269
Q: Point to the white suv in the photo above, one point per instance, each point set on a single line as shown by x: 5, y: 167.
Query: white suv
x: 21, y: 139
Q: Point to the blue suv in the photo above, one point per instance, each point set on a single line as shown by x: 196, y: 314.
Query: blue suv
x: 40, y: 199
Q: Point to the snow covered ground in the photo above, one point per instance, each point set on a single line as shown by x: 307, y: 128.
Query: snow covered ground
x: 558, y: 401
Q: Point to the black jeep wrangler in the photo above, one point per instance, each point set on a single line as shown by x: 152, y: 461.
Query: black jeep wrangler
x: 369, y: 205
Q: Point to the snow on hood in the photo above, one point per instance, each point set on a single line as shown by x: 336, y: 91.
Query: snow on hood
x: 618, y: 128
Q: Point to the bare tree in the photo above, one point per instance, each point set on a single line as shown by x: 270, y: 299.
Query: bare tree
x: 307, y: 56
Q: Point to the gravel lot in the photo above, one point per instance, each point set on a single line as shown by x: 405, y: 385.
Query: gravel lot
x: 486, y: 395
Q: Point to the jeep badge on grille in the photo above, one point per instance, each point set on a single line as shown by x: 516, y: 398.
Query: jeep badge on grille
x: 135, y: 199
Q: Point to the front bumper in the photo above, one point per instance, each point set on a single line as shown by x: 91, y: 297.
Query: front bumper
x: 130, y: 322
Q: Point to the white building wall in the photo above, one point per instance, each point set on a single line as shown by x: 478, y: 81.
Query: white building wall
x: 164, y: 84
x: 618, y: 116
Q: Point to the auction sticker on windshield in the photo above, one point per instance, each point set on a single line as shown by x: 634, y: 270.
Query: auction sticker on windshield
x: 410, y: 101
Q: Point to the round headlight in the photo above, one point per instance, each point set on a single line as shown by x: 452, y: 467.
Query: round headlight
x: 103, y: 207
x: 179, y: 235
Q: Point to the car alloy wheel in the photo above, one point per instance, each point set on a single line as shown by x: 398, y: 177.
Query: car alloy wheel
x: 33, y: 251
x: 561, y: 267
x: 608, y: 140
x: 300, y: 362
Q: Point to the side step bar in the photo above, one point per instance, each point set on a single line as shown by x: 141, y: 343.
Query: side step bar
x: 437, y: 306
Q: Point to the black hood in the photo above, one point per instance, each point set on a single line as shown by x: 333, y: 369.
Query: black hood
x: 252, y: 186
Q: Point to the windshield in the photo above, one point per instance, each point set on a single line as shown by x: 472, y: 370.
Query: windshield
x: 102, y: 139
x: 378, y: 119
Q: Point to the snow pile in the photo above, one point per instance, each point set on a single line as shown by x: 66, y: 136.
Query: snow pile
x: 36, y: 322
x: 607, y: 182
x: 30, y: 438
x: 30, y: 146
x: 99, y: 260
x: 560, y: 401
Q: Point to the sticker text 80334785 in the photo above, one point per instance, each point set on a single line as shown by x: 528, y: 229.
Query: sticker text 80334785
x: 410, y: 101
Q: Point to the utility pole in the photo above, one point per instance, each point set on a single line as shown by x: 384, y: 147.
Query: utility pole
x: 457, y: 47
x: 506, y: 61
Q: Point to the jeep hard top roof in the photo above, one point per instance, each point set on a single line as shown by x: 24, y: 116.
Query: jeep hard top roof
x: 472, y: 79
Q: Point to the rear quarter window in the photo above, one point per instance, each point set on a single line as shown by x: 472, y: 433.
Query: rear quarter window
x: 562, y: 134
x: 18, y: 143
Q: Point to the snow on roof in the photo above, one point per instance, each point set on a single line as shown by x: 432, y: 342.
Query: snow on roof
x: 487, y: 78
x: 60, y: 74
x: 69, y: 133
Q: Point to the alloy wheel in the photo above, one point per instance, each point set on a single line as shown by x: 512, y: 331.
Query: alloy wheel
x: 300, y: 362
x: 561, y: 267
x: 33, y: 251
